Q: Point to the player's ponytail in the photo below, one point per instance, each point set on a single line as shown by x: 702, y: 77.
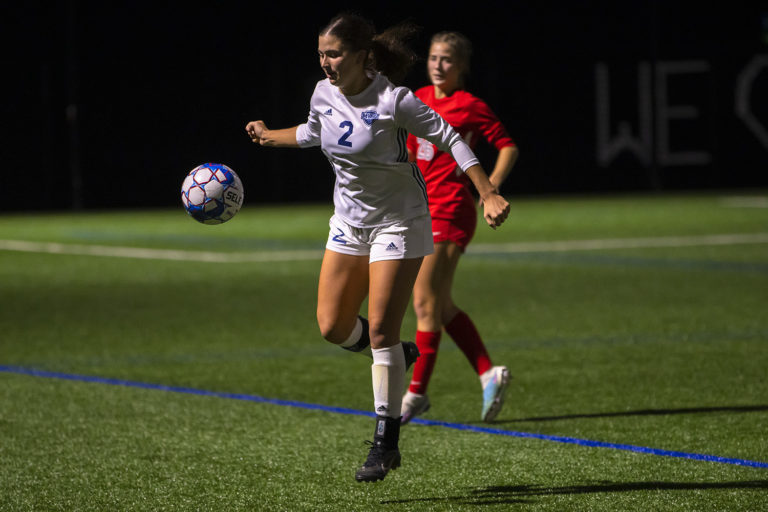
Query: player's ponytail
x: 388, y: 52
x: 391, y: 54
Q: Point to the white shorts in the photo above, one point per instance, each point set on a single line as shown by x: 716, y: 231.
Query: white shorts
x: 400, y: 241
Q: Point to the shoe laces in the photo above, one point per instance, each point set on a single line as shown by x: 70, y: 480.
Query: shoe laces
x: 375, y: 453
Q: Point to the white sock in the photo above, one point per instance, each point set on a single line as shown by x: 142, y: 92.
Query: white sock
x: 388, y: 371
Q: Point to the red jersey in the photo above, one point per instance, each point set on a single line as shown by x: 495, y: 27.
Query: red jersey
x: 448, y: 188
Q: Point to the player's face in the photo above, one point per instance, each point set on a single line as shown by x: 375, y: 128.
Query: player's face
x: 443, y: 69
x: 342, y: 67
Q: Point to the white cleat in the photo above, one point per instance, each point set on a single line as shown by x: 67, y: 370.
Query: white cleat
x: 495, y: 383
x: 413, y: 405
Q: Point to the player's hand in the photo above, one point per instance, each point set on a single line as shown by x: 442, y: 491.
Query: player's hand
x: 255, y: 129
x: 495, y: 209
x: 495, y: 189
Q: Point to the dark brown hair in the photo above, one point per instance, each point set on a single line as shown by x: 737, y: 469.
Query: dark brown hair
x: 388, y: 52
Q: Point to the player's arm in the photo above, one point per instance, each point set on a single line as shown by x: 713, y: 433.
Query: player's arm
x: 422, y: 121
x: 495, y: 207
x: 504, y: 163
x: 496, y: 135
x: 283, y: 138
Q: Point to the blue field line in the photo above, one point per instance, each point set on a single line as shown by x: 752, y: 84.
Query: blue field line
x: 343, y: 410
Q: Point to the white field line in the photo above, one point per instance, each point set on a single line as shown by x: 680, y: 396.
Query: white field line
x: 157, y: 254
x: 620, y: 243
x: 745, y: 202
x: 304, y: 255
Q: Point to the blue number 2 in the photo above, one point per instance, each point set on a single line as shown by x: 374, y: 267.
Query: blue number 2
x: 343, y: 140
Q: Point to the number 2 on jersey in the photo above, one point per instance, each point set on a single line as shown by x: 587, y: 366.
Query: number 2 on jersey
x: 343, y: 140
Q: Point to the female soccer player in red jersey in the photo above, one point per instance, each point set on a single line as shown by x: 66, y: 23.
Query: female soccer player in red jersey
x: 454, y: 218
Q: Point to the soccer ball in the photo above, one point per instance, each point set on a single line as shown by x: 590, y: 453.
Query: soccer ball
x: 212, y: 193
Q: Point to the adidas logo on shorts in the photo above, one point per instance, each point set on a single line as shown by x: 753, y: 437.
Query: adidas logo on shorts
x: 391, y: 247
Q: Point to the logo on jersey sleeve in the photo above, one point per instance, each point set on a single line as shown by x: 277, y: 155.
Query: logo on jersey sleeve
x: 328, y: 112
x: 369, y: 116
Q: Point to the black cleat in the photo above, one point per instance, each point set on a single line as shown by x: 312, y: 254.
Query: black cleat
x: 383, y: 454
x: 380, y: 461
x: 411, y: 352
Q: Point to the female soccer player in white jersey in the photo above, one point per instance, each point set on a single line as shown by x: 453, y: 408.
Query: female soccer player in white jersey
x: 380, y: 230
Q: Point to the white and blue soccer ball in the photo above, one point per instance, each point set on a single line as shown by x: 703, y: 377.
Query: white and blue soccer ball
x: 212, y: 193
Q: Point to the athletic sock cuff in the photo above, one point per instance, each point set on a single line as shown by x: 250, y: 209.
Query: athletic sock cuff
x: 358, y: 340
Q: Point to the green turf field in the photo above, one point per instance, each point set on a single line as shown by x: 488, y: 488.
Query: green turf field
x: 135, y: 348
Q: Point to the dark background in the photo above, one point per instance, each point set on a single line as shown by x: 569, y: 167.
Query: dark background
x: 109, y: 104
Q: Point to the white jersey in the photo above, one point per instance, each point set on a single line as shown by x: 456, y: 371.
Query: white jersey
x: 364, y: 138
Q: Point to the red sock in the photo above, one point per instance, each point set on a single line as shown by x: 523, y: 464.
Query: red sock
x: 422, y: 368
x: 464, y: 333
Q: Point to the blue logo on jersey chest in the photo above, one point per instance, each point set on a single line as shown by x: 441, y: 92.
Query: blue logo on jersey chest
x: 369, y: 116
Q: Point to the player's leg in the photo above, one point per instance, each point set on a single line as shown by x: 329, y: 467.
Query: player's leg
x: 396, y: 254
x: 433, y: 286
x: 458, y: 233
x: 462, y: 330
x: 342, y: 287
x: 390, y: 292
x: 391, y: 284
x: 429, y: 293
x: 493, y: 379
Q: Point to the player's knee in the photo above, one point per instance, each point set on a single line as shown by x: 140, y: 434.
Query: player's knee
x: 331, y: 329
x: 329, y: 333
x: 379, y: 340
x: 327, y: 326
x: 382, y: 337
x: 424, y: 307
x: 449, y: 312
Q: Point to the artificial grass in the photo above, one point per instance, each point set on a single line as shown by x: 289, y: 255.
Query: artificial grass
x: 656, y: 347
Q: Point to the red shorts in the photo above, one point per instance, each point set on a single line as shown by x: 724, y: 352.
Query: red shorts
x: 459, y: 230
